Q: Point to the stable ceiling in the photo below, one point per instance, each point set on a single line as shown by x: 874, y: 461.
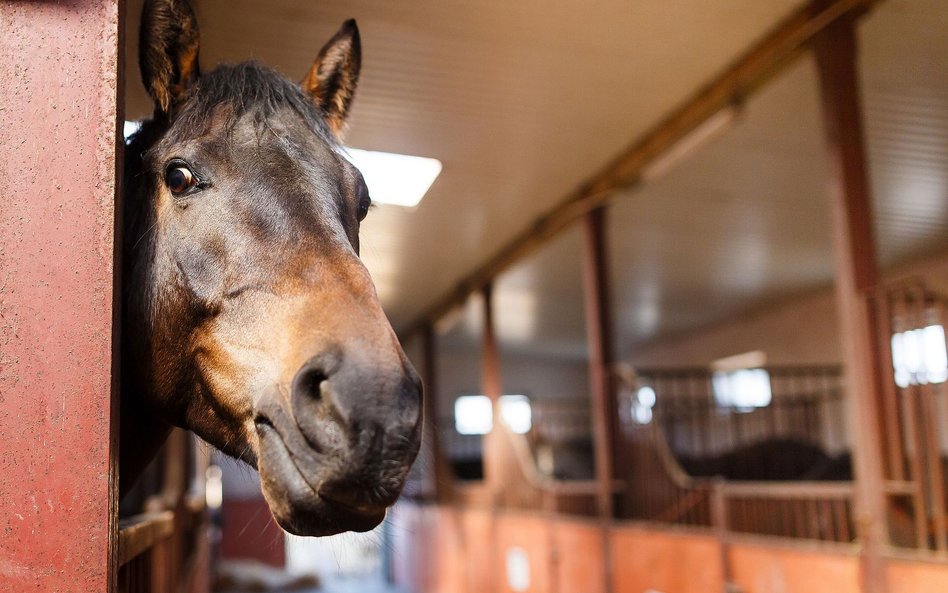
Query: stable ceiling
x: 745, y: 220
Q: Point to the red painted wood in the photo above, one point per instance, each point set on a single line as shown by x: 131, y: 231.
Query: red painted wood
x: 598, y: 311
x: 579, y: 562
x: 449, y: 550
x: 758, y: 569
x: 59, y: 77
x: 917, y: 577
x: 480, y: 569
x: 856, y: 277
x: 248, y: 532
x: 531, y: 534
x: 649, y: 560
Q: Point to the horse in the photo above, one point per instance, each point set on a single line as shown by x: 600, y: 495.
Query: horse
x: 248, y: 316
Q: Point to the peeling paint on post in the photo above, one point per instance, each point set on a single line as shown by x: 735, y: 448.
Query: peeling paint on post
x: 59, y: 80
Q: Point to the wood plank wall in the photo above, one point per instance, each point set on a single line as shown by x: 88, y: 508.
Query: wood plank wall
x: 449, y: 549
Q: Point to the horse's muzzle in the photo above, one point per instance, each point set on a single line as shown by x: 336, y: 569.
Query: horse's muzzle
x: 337, y: 454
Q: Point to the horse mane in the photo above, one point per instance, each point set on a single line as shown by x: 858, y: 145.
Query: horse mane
x: 231, y: 91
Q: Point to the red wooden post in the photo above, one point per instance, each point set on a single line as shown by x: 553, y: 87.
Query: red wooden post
x: 496, y: 450
x: 602, y: 391
x: 59, y: 113
x: 856, y: 277
x: 599, y: 343
x: 502, y: 471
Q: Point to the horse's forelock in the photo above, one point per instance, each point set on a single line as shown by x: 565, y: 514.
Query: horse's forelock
x: 230, y: 91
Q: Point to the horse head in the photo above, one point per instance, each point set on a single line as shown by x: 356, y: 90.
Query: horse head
x: 248, y: 316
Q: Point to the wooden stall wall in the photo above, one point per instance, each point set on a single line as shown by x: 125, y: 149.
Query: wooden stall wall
x: 916, y: 577
x: 478, y: 528
x: 517, y: 536
x: 445, y: 549
x: 448, y: 549
x: 452, y: 572
x: 248, y: 532
x: 579, y: 549
x: 759, y: 569
x: 647, y: 560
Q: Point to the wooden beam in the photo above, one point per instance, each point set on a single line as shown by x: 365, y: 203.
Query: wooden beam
x: 140, y: 533
x: 856, y: 277
x: 731, y: 87
x: 598, y: 310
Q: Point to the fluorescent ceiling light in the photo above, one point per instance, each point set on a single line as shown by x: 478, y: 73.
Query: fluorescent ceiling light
x: 397, y: 179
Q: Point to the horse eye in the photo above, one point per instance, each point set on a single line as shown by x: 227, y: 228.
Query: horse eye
x: 180, y: 179
x: 364, y: 204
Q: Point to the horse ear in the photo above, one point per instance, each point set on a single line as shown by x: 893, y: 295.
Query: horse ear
x: 331, y: 81
x: 168, y: 50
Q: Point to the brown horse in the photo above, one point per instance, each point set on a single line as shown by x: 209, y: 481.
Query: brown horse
x: 248, y: 315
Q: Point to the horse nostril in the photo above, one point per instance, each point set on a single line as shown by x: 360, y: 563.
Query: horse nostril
x: 309, y: 382
x: 312, y: 407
